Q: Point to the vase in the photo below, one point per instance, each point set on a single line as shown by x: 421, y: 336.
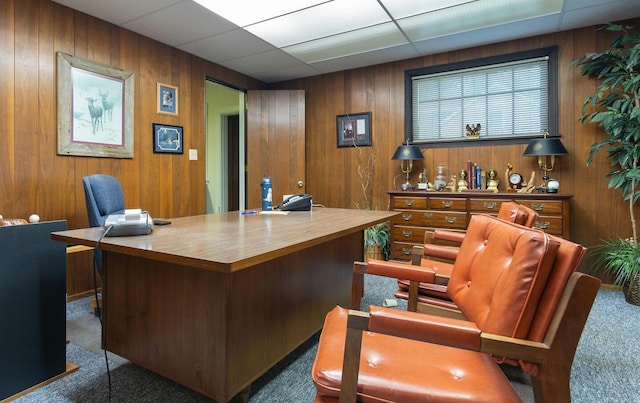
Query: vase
x: 631, y: 291
x: 372, y: 252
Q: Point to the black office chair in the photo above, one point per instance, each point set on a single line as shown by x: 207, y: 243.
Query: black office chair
x: 104, y: 196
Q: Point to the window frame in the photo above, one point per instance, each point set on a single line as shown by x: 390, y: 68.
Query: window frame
x: 551, y: 52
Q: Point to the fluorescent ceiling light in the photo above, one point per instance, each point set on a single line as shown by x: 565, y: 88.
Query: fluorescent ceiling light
x: 319, y: 30
x: 474, y: 15
x: 320, y: 21
x: 243, y: 13
x: 350, y: 43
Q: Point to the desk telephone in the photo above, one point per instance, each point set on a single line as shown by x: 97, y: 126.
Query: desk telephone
x: 132, y: 222
x: 299, y: 202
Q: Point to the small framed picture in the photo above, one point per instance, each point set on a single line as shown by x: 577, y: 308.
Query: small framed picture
x: 354, y: 129
x: 167, y: 139
x: 167, y: 99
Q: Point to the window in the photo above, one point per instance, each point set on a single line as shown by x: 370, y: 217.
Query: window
x: 512, y: 98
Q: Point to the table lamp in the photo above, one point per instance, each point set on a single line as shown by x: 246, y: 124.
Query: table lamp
x: 546, y: 150
x: 407, y: 153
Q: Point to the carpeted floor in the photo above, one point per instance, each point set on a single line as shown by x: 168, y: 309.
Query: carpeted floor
x: 604, y: 369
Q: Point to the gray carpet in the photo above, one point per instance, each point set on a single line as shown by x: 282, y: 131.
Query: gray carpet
x: 604, y: 369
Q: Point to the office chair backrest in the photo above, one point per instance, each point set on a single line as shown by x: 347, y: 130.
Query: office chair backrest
x: 104, y: 196
x: 500, y: 274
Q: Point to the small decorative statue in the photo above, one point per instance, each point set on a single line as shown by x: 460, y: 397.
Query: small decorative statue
x: 492, y: 182
x: 451, y: 186
x: 462, y: 183
x: 473, y: 131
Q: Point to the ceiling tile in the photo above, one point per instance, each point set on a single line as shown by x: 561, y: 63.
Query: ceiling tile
x: 118, y: 11
x: 320, y: 21
x: 263, y: 62
x: 367, y: 59
x: 188, y: 21
x: 243, y: 14
x: 407, y: 8
x: 350, y: 43
x: 229, y: 45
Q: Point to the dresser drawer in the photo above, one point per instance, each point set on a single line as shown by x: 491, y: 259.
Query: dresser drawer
x: 486, y: 206
x: 401, y: 251
x: 433, y: 219
x: 543, y: 206
x: 550, y: 224
x: 454, y: 204
x: 408, y: 234
x: 401, y: 202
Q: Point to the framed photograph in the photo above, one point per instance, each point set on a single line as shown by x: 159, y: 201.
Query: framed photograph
x: 95, y: 109
x: 354, y: 130
x: 167, y: 99
x: 167, y: 139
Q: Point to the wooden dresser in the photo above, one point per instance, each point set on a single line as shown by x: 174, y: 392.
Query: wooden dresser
x: 423, y: 211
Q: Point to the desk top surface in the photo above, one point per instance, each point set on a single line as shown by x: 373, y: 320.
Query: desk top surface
x: 231, y: 241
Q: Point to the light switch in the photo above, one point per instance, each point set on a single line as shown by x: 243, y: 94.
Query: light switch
x: 193, y: 154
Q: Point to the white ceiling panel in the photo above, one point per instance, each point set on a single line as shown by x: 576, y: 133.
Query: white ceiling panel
x: 229, y: 45
x: 119, y: 12
x: 188, y: 22
x: 287, y: 39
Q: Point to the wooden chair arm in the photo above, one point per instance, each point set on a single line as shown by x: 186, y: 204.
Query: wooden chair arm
x: 514, y: 348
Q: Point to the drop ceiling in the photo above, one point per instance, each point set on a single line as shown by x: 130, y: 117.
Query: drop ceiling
x: 280, y: 40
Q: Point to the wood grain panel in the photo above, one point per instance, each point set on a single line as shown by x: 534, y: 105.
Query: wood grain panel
x: 33, y: 178
x: 38, y: 180
x: 596, y: 211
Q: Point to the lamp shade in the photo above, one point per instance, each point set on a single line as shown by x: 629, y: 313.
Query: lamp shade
x: 545, y: 146
x: 407, y: 152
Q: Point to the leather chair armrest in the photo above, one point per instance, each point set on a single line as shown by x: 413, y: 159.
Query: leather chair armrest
x: 445, y: 235
x: 441, y: 251
x: 428, y: 328
x: 401, y: 270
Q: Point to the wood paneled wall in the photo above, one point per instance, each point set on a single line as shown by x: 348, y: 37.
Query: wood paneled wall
x: 33, y: 178
x: 333, y: 179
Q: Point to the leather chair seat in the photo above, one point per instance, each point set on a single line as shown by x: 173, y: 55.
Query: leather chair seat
x: 398, y: 375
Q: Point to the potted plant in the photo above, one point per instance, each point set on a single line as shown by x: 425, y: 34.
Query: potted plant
x: 617, y: 110
x: 377, y: 241
x: 376, y: 238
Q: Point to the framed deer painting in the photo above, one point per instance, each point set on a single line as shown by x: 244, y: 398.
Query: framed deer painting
x: 95, y: 109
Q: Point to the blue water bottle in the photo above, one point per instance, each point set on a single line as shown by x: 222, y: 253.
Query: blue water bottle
x: 267, y: 193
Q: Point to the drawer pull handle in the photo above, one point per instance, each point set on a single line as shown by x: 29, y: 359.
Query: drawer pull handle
x: 406, y: 251
x: 450, y: 220
x: 542, y: 225
x: 407, y: 234
x: 537, y: 206
x: 407, y: 217
x: 409, y: 202
x: 490, y: 205
x: 447, y: 203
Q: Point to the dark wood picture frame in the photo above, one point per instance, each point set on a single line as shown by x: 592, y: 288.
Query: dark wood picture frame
x: 354, y: 129
x: 167, y: 139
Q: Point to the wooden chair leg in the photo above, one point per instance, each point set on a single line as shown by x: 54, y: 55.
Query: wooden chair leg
x: 357, y: 284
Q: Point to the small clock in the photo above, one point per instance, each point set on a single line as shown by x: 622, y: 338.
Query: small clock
x: 515, y: 181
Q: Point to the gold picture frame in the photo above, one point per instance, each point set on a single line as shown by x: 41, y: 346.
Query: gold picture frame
x: 95, y: 109
x: 167, y: 99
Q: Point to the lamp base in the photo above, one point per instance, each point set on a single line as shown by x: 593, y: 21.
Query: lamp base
x: 543, y: 189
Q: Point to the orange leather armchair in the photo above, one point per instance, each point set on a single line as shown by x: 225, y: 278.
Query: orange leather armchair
x: 521, y: 302
x: 435, y: 293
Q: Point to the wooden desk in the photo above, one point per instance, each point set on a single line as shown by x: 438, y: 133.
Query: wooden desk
x: 213, y: 301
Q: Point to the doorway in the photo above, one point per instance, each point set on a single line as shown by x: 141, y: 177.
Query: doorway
x: 225, y: 148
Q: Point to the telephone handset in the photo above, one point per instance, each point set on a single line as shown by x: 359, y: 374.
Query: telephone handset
x: 299, y: 202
